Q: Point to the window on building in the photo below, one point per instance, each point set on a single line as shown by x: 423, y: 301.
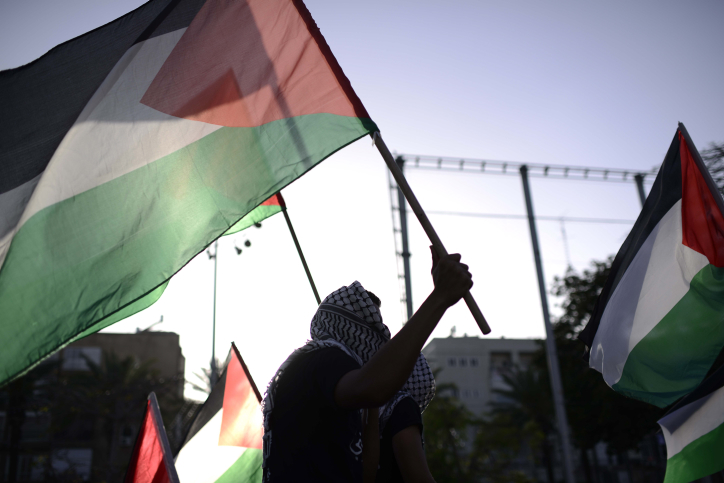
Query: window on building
x: 463, y: 362
x: 76, y: 358
x: 451, y: 362
x: 31, y: 467
x: 466, y: 393
x: 476, y: 393
x: 36, y: 426
x: 127, y: 436
x: 474, y: 362
x: 72, y: 462
x: 500, y: 364
x: 525, y: 359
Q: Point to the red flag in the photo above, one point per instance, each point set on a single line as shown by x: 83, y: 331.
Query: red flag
x: 151, y: 459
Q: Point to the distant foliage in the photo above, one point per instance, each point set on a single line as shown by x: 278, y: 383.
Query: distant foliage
x: 713, y: 158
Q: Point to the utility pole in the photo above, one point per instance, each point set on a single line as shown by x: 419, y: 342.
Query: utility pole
x: 402, y: 204
x: 551, y: 352
x: 639, y: 178
x: 214, y: 370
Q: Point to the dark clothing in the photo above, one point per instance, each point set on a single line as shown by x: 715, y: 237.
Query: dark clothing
x: 405, y: 414
x: 314, y: 439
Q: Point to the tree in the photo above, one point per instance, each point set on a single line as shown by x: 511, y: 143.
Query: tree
x: 447, y: 424
x: 113, y: 393
x: 595, y: 412
x: 462, y: 448
x: 713, y: 158
x: 527, y: 405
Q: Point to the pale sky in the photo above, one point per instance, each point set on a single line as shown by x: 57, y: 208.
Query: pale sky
x: 600, y: 85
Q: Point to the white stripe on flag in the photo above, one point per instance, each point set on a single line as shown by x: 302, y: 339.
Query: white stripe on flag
x: 657, y: 278
x: 691, y: 422
x: 202, y: 460
x: 115, y: 134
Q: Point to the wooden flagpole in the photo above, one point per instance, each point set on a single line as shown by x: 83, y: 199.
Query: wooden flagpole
x: 425, y: 222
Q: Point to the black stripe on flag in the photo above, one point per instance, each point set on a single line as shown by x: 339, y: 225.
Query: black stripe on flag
x: 41, y: 100
x: 208, y: 410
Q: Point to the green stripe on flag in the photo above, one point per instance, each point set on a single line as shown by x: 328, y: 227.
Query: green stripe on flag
x: 246, y: 469
x: 78, y: 261
x: 698, y: 459
x: 661, y: 368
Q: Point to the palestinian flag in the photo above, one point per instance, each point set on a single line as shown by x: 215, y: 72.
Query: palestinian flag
x: 224, y: 442
x: 694, y: 433
x: 128, y: 150
x: 270, y: 207
x: 658, y: 324
x: 151, y: 458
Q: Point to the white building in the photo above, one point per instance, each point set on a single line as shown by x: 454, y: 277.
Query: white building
x: 474, y: 365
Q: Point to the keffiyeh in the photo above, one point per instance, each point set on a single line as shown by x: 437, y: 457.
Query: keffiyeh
x: 348, y: 320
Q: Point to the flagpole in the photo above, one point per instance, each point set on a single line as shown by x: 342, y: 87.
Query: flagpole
x: 163, y: 439
x: 246, y: 371
x: 299, y: 249
x: 425, y: 222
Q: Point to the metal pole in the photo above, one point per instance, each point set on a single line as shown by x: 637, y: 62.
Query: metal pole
x: 301, y: 256
x: 553, y: 368
x: 425, y: 222
x: 214, y: 369
x: 639, y: 178
x: 402, y: 206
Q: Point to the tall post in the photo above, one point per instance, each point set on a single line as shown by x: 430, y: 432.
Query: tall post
x: 425, y: 222
x: 214, y: 370
x: 553, y: 368
x: 639, y: 178
x: 402, y: 204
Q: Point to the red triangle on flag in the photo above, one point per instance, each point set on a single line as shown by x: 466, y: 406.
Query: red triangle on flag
x: 241, y: 421
x: 147, y: 461
x: 702, y: 220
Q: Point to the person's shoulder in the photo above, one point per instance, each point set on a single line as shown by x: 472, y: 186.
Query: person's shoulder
x: 405, y: 414
x: 407, y: 405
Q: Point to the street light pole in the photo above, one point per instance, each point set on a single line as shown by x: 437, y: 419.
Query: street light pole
x: 214, y: 370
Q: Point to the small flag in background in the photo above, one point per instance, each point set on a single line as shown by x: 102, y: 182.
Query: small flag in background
x: 658, y: 324
x: 151, y: 460
x: 224, y: 443
x: 128, y: 150
x: 694, y: 433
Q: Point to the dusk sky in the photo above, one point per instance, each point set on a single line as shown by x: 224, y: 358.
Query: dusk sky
x: 566, y: 83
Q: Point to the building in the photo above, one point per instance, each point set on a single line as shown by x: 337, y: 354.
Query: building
x: 475, y: 365
x: 40, y: 442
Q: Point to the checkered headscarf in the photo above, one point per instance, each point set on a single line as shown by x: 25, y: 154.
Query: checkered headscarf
x: 420, y: 386
x: 346, y: 319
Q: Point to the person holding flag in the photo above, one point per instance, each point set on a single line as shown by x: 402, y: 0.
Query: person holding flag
x: 312, y: 408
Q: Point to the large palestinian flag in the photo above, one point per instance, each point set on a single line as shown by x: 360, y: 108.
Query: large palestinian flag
x: 658, y: 324
x: 694, y: 433
x: 128, y: 150
x: 224, y: 442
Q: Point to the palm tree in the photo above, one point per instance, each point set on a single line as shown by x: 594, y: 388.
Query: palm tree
x: 114, y: 392
x: 527, y: 404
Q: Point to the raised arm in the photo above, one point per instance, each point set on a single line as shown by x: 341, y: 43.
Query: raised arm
x: 384, y: 374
